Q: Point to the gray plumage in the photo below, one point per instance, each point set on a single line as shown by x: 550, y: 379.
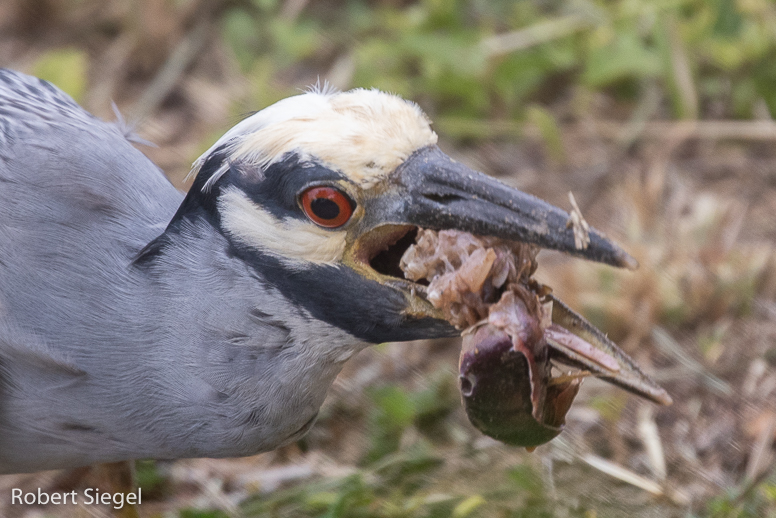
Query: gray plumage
x: 102, y: 360
x: 139, y: 323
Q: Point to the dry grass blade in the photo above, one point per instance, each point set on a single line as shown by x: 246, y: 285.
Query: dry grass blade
x: 623, y: 474
x: 761, y: 455
x: 536, y: 34
x: 702, y: 130
x: 687, y: 97
x: 634, y: 479
x: 652, y: 443
x: 183, y: 55
x: 666, y: 343
x: 742, y: 130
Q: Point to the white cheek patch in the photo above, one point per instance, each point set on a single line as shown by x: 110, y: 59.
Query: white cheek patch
x: 295, y: 242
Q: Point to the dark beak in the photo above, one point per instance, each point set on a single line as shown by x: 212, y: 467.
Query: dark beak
x: 431, y: 190
x: 444, y: 194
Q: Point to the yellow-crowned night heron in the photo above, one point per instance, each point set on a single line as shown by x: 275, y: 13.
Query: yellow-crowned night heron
x: 139, y: 323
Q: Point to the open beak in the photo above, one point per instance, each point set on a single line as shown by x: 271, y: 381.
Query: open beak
x: 430, y: 190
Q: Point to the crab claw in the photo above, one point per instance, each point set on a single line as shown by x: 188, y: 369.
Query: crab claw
x: 575, y: 341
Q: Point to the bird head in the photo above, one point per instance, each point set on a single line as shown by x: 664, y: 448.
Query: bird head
x: 321, y: 194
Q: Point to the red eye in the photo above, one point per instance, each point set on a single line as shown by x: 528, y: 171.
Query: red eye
x: 327, y: 206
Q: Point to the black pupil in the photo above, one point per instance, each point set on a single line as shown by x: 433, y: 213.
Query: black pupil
x: 324, y: 208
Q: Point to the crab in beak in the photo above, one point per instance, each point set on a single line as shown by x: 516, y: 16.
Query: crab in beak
x: 432, y: 191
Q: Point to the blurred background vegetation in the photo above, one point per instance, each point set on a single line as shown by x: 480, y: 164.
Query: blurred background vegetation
x: 656, y: 114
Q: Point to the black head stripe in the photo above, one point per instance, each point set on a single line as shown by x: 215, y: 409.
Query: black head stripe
x: 341, y: 297
x: 199, y: 201
x: 275, y: 189
x: 282, y: 181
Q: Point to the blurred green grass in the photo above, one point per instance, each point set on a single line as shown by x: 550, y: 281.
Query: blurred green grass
x: 481, y: 60
x: 469, y: 60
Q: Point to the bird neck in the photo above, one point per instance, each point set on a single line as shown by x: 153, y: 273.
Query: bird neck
x: 248, y: 362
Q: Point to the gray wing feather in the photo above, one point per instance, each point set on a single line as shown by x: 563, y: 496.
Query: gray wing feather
x: 77, y: 203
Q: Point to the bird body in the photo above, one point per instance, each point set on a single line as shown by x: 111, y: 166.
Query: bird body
x: 139, y: 323
x: 80, y: 382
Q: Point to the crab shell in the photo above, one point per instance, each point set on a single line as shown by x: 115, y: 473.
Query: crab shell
x: 506, y: 389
